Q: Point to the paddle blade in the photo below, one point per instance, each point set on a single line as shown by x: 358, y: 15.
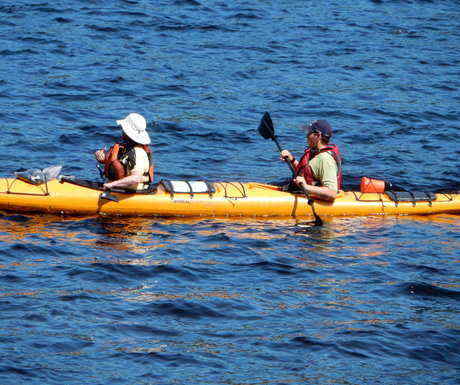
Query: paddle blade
x: 266, y: 128
x: 318, y: 221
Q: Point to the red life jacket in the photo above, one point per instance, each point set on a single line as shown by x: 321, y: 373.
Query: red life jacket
x: 304, y: 169
x: 114, y: 169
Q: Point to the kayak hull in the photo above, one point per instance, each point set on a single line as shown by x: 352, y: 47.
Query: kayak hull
x: 229, y: 199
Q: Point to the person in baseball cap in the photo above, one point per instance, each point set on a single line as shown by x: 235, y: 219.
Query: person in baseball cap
x: 319, y: 170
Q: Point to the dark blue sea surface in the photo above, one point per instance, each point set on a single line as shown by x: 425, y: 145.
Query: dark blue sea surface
x: 214, y: 301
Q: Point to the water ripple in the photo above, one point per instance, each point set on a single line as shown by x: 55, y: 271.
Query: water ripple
x: 141, y: 300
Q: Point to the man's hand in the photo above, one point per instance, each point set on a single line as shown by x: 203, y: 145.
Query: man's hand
x: 319, y: 192
x: 286, y: 155
x: 300, y: 181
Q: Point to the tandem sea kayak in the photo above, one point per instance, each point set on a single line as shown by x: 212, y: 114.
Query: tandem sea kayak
x: 72, y: 196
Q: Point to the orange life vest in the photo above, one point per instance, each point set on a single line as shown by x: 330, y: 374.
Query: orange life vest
x: 114, y: 169
x: 304, y: 169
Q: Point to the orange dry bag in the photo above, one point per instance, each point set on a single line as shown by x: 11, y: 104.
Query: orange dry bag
x: 369, y: 185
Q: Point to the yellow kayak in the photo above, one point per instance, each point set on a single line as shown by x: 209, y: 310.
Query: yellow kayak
x: 70, y: 196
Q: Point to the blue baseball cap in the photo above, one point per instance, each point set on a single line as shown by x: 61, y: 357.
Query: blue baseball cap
x: 321, y: 126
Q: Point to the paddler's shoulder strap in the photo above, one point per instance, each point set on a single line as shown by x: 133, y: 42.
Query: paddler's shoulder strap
x: 303, y: 161
x: 149, y: 152
x: 335, y: 153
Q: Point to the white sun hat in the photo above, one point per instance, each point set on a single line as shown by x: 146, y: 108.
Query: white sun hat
x: 134, y: 126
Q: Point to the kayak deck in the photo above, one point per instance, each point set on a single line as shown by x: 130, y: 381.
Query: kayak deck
x: 222, y: 199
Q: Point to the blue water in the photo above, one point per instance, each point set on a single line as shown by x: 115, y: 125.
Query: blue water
x: 153, y: 301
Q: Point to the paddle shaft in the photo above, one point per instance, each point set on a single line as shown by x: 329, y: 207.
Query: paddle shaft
x: 285, y: 159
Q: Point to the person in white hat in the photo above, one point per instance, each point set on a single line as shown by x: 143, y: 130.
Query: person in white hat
x: 129, y: 164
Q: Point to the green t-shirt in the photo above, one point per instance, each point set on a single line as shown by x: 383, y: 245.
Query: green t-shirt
x: 325, y: 169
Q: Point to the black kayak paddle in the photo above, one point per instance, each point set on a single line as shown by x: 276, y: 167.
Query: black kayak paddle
x: 267, y: 130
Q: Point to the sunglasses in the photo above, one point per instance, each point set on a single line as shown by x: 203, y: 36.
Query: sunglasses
x: 313, y: 131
